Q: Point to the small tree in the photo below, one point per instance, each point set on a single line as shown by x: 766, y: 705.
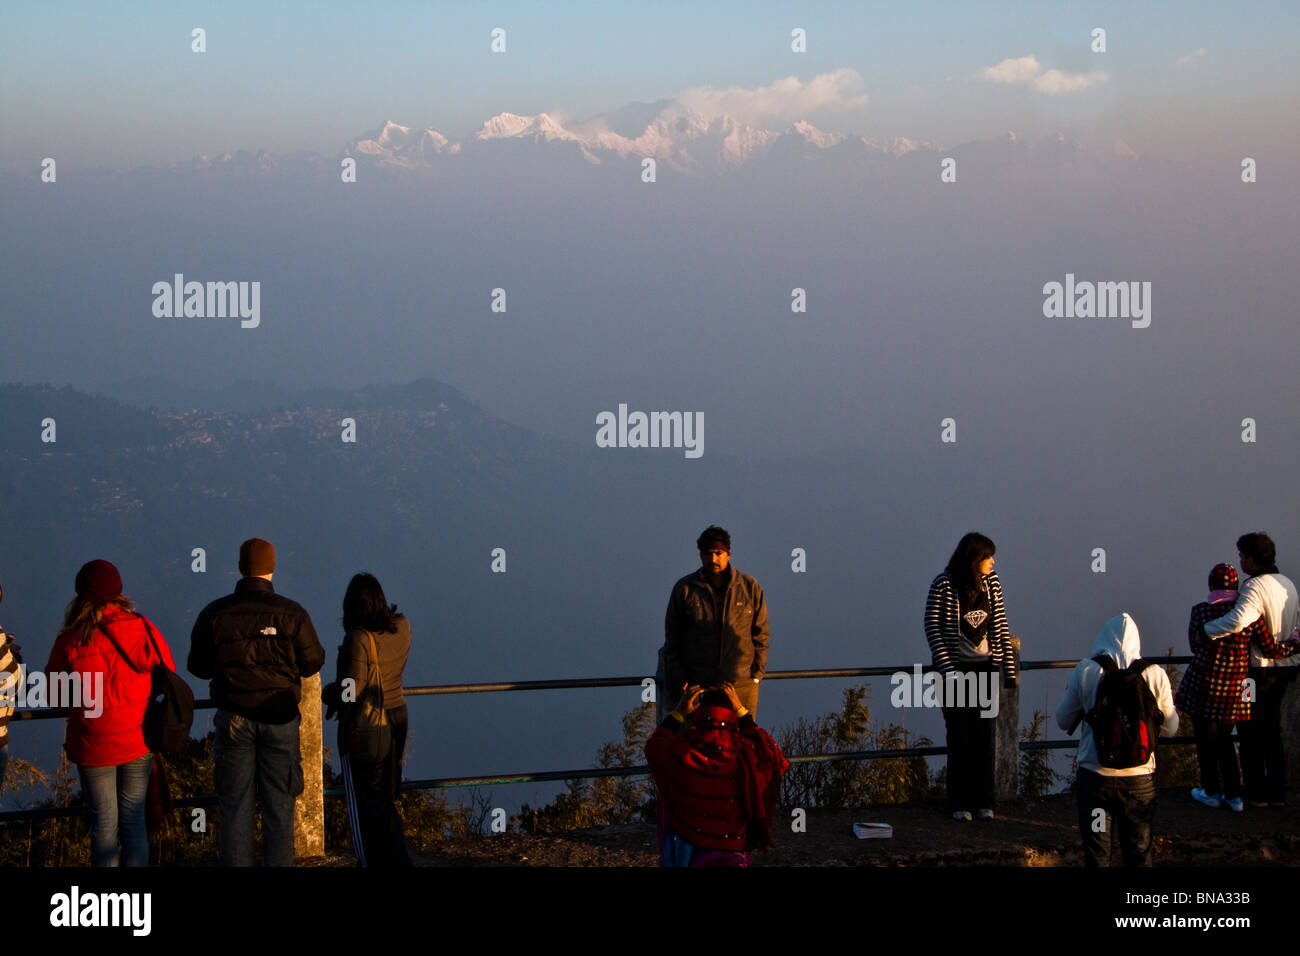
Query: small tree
x: 845, y: 783
x: 1037, y: 778
x: 605, y: 800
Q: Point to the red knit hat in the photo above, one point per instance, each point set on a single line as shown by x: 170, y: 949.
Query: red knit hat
x: 98, y: 582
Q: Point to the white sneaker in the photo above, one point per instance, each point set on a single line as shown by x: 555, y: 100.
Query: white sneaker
x: 1209, y: 799
x: 963, y: 815
x: 984, y: 814
x: 1236, y: 804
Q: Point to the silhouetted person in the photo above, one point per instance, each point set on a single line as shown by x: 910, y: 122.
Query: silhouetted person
x: 11, y: 674
x: 256, y: 646
x: 373, y: 652
x: 1116, y: 798
x: 966, y: 628
x: 1269, y: 596
x: 718, y: 775
x: 716, y: 630
x: 1212, y: 691
x: 113, y: 650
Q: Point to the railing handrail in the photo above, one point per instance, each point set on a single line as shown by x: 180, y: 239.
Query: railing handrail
x: 439, y: 783
x: 45, y: 713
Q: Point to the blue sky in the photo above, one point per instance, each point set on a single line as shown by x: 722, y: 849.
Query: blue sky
x: 99, y: 87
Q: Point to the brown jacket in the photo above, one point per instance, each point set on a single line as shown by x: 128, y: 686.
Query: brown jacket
x: 711, y: 638
x: 354, y: 660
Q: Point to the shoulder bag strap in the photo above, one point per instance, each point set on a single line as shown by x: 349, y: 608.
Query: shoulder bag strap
x: 112, y: 640
x: 148, y: 629
x: 379, y: 671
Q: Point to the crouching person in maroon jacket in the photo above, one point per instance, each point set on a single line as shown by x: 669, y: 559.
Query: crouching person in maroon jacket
x: 718, y: 775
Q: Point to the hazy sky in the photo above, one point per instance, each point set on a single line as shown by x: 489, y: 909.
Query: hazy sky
x: 93, y: 86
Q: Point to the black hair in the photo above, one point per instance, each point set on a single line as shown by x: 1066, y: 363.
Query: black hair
x: 971, y: 549
x: 365, y: 607
x: 715, y: 698
x: 713, y: 533
x: 1260, y: 548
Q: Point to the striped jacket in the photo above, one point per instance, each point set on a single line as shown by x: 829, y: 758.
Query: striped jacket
x: 943, y: 626
x: 10, y: 675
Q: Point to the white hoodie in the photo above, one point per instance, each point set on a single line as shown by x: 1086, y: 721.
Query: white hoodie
x: 1119, y: 639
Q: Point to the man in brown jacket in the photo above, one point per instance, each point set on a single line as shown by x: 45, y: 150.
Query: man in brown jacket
x: 715, y: 631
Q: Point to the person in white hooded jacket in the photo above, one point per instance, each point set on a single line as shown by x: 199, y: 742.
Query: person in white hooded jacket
x: 1124, y: 798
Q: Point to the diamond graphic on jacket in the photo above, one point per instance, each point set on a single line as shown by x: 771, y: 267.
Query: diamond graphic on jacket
x: 975, y: 618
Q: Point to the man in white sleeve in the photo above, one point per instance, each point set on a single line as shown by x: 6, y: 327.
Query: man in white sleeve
x: 1270, y: 596
x: 1114, y: 792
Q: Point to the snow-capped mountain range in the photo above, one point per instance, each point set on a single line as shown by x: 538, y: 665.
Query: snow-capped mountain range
x: 673, y: 135
x: 681, y: 137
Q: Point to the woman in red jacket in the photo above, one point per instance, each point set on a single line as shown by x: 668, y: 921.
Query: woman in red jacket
x: 108, y: 653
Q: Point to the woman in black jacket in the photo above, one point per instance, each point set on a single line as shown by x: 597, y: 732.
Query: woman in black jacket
x: 375, y: 633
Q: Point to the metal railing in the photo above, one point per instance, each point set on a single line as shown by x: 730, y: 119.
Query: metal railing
x: 440, y: 783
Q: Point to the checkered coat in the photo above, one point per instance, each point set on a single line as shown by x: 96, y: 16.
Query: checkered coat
x: 1213, y: 686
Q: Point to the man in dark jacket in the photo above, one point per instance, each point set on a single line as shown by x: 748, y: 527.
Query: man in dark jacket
x: 256, y: 646
x: 715, y: 631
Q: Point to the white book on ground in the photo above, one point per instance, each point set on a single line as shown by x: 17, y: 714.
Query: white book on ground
x: 872, y: 831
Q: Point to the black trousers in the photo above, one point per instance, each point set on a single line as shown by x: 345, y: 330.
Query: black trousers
x: 371, y: 789
x: 970, y: 758
x: 1123, y: 804
x: 1263, y: 762
x: 1218, y: 757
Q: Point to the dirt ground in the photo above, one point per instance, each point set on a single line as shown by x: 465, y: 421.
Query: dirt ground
x: 1039, y: 833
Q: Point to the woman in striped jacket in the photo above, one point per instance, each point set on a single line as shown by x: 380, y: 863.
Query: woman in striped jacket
x: 966, y: 627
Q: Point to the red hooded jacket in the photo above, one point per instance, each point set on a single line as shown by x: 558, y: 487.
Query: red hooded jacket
x: 116, y: 735
x: 719, y: 779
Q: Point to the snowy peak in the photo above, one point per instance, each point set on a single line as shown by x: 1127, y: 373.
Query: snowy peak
x: 512, y: 126
x: 397, y: 145
x: 815, y: 137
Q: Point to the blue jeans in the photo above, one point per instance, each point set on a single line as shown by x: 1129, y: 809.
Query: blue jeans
x: 115, y: 799
x: 252, y: 754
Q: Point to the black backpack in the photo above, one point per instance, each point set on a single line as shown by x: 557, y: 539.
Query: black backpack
x: 170, y: 714
x: 1125, y: 718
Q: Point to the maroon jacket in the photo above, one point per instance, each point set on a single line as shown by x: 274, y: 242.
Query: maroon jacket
x: 116, y: 735
x: 718, y: 777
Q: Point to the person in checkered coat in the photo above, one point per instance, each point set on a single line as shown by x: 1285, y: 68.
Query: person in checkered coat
x: 1213, y: 690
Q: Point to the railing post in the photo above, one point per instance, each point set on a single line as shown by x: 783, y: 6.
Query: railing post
x: 309, y: 814
x: 1006, y: 742
x: 1290, y: 723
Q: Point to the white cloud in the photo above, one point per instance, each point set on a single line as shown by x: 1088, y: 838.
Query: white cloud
x: 1019, y: 70
x: 1188, y: 58
x: 1027, y: 71
x: 786, y: 99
